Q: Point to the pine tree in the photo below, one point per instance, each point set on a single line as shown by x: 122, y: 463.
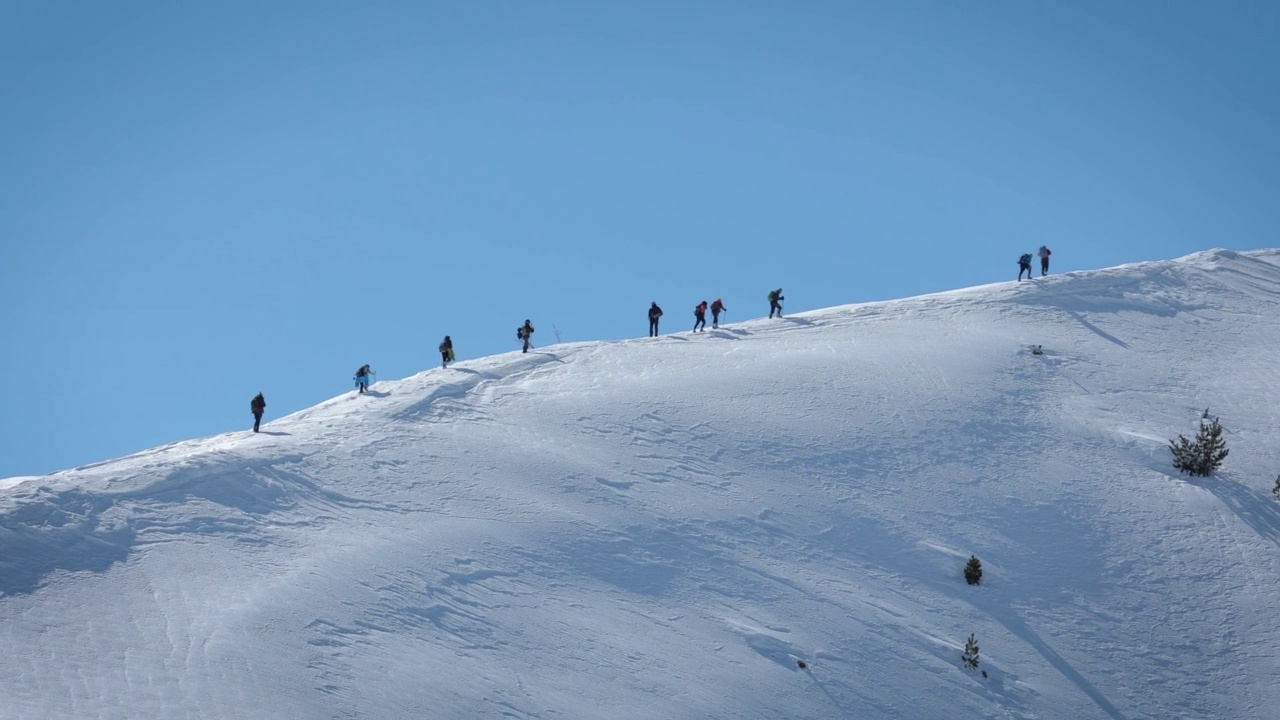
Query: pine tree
x: 970, y: 656
x: 1276, y: 490
x: 1204, y: 454
x: 973, y: 571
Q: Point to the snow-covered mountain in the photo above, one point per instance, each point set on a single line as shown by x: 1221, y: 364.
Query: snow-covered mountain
x: 664, y: 528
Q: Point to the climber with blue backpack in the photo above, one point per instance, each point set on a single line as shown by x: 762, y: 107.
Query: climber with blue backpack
x: 1024, y: 265
x: 362, y: 378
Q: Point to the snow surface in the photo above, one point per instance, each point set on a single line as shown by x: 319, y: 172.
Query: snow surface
x: 662, y: 528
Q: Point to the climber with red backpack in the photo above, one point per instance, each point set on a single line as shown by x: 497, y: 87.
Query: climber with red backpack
x: 717, y: 307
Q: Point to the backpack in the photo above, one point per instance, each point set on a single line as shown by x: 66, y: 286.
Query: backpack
x: 1025, y: 259
x: 773, y: 295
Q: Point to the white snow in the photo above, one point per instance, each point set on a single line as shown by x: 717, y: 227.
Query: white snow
x: 662, y: 528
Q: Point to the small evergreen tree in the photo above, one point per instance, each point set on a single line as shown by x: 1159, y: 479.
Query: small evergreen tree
x: 1276, y: 490
x: 970, y: 656
x: 1204, y: 454
x: 973, y: 571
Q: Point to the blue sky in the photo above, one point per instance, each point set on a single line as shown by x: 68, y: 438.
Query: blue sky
x: 199, y: 203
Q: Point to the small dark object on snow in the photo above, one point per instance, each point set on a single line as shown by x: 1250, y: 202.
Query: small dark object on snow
x: 802, y: 664
x: 1036, y: 350
x: 984, y: 673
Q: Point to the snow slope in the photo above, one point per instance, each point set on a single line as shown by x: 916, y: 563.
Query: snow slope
x: 661, y: 528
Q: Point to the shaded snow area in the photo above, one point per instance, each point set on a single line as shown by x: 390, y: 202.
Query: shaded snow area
x: 664, y: 528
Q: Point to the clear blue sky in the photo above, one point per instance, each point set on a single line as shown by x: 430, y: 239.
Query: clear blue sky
x: 201, y: 202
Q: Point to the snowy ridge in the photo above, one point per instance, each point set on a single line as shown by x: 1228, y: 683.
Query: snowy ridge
x: 661, y: 528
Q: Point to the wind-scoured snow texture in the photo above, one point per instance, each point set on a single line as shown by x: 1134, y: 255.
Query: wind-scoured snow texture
x: 662, y: 528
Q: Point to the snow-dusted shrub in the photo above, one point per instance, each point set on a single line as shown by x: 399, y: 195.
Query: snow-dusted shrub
x: 1276, y: 490
x: 970, y: 656
x: 973, y: 571
x: 1202, y: 455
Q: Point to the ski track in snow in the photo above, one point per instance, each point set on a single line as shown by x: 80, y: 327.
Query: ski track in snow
x: 658, y: 528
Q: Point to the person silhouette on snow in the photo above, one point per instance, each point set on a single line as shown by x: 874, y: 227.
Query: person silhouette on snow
x: 524, y: 332
x: 717, y: 307
x: 362, y: 378
x: 655, y: 312
x: 700, y: 317
x: 1044, y: 254
x: 775, y: 302
x: 446, y: 352
x: 1024, y: 265
x: 257, y: 405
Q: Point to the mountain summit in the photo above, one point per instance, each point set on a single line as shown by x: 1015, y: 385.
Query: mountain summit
x: 766, y: 520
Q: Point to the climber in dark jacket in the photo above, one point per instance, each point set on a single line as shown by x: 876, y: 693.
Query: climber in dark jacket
x: 257, y: 405
x: 655, y: 312
x: 775, y: 302
x: 524, y: 332
x: 446, y: 352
